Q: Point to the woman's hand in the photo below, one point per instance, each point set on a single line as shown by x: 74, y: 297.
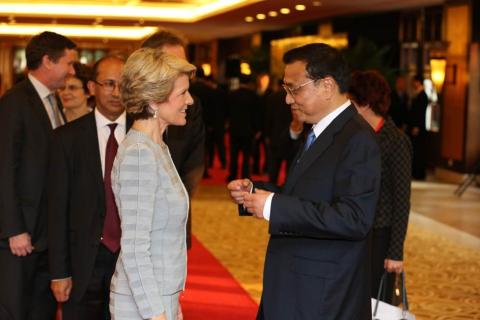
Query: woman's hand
x: 179, y: 314
x: 393, y: 265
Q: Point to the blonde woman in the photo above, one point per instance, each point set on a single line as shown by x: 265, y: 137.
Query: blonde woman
x: 75, y: 95
x: 151, y: 199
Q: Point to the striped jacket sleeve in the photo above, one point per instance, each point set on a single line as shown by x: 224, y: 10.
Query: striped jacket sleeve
x: 137, y: 182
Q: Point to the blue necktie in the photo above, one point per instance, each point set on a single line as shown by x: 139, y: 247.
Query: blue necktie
x: 310, y: 138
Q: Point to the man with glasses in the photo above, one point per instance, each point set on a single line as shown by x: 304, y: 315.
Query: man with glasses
x: 317, y: 262
x: 84, y: 225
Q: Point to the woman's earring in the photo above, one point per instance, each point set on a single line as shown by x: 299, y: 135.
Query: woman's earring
x: 155, y: 114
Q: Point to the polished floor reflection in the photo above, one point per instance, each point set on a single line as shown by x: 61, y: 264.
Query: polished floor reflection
x: 442, y: 250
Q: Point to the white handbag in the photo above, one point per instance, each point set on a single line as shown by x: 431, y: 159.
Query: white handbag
x: 385, y: 311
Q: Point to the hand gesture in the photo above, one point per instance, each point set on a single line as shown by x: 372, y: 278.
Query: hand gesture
x: 238, y: 189
x: 254, y: 202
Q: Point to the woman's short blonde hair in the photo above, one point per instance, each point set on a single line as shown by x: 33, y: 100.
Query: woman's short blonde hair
x: 148, y: 77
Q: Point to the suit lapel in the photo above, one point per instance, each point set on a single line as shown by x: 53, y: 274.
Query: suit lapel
x: 38, y: 106
x: 92, y: 151
x: 318, y: 147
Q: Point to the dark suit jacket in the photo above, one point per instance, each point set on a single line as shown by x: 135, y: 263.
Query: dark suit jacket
x: 277, y: 124
x: 243, y: 112
x: 76, y: 203
x: 25, y: 136
x: 187, y: 146
x: 317, y: 263
x: 418, y: 112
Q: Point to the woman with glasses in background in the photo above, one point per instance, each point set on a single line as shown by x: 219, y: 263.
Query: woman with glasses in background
x: 76, y: 99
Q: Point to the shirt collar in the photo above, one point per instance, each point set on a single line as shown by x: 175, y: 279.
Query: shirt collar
x: 102, y: 121
x: 319, y: 127
x: 42, y: 89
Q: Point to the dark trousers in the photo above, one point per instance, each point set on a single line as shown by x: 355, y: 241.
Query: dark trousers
x: 380, y: 244
x: 94, y: 303
x: 237, y: 144
x: 275, y: 159
x: 215, y: 140
x: 258, y: 144
x: 419, y: 162
x: 25, y: 287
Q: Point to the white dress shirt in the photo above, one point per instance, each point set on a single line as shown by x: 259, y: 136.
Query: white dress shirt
x: 103, y: 132
x: 44, y: 92
x: 318, y: 128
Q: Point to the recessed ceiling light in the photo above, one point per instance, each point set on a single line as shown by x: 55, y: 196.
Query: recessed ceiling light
x: 249, y: 19
x: 284, y: 11
x: 273, y: 13
x: 300, y: 7
x: 317, y: 3
x: 261, y: 16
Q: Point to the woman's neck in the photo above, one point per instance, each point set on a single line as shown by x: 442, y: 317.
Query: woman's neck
x: 152, y: 128
x: 371, y: 117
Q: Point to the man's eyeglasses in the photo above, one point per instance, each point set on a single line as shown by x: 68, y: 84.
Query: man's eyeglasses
x: 294, y: 91
x: 108, y: 85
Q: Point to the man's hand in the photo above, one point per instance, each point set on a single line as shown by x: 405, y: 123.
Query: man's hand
x: 239, y: 188
x: 61, y: 289
x: 21, y: 244
x: 393, y: 266
x: 160, y: 317
x: 254, y: 202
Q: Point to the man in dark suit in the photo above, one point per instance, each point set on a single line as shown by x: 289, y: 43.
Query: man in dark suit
x: 280, y: 146
x: 28, y: 114
x: 186, y: 143
x: 399, y: 103
x: 317, y: 262
x: 84, y: 228
x: 417, y: 129
x: 244, y: 123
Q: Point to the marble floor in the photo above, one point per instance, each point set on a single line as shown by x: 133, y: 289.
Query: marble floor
x: 442, y: 250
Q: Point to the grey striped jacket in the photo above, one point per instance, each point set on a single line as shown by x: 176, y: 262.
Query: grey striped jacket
x: 153, y: 207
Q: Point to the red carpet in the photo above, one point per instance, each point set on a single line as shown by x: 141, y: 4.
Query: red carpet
x: 211, y: 291
x: 218, y: 176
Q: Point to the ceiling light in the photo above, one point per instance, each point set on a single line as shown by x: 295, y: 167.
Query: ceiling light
x: 317, y: 3
x: 284, y: 11
x: 300, y: 7
x: 261, y: 16
x: 81, y: 31
x: 273, y: 13
x: 249, y: 19
x: 133, y: 11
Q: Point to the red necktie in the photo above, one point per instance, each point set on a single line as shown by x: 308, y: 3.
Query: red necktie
x: 111, y: 225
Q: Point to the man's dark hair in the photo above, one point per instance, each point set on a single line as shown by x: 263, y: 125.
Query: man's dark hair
x: 100, y: 61
x: 321, y: 61
x: 46, y: 43
x: 165, y: 37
